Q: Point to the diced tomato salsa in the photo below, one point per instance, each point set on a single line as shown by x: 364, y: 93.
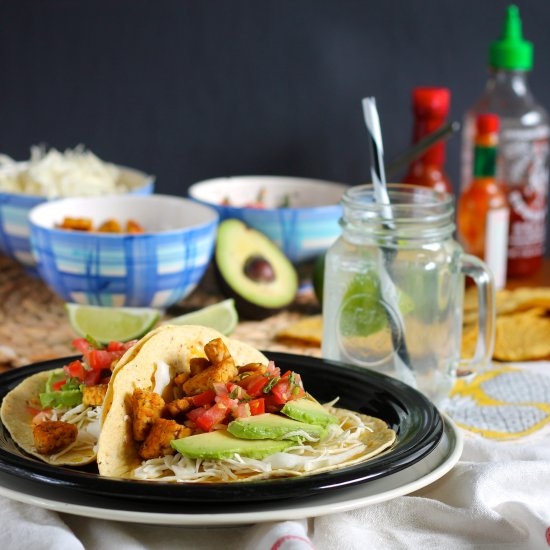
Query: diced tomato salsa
x: 254, y: 394
x: 95, y: 366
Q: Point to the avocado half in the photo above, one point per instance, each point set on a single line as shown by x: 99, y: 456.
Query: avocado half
x: 253, y: 271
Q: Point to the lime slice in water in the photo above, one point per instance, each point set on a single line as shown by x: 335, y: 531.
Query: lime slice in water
x: 106, y: 324
x: 222, y: 317
x: 363, y: 312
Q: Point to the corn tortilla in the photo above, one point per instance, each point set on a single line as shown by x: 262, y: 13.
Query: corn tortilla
x: 173, y: 344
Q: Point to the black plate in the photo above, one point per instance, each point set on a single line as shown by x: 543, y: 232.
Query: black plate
x: 416, y: 420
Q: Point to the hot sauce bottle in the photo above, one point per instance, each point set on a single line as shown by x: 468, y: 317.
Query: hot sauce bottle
x: 430, y: 107
x: 523, y: 144
x: 483, y: 212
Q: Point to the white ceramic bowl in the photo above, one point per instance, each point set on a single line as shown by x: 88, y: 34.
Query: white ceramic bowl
x: 303, y: 230
x: 15, y: 208
x: 157, y: 268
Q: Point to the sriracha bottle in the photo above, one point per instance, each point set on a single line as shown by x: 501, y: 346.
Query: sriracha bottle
x: 523, y: 144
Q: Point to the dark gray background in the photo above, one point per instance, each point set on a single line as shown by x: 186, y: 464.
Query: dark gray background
x: 189, y: 90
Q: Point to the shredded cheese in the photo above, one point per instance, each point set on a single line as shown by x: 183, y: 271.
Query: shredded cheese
x: 75, y: 172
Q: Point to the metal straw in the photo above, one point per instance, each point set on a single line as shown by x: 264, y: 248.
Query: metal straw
x: 388, y: 291
x: 443, y: 133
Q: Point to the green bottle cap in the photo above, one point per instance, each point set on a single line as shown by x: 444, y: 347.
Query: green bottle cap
x: 511, y: 51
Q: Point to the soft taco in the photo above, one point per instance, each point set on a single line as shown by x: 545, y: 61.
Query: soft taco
x: 195, y: 406
x: 55, y: 414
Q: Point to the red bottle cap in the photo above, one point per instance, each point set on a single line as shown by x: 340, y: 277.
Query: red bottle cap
x: 487, y: 123
x: 432, y: 102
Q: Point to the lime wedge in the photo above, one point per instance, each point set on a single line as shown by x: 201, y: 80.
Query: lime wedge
x: 106, y: 324
x: 221, y: 317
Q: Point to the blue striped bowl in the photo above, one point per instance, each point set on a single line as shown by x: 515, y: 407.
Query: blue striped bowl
x: 303, y: 231
x: 154, y: 269
x: 15, y: 208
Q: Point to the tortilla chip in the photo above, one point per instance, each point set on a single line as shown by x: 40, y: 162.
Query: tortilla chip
x: 173, y: 344
x: 17, y: 418
x: 306, y: 332
x: 523, y: 336
x: 508, y: 301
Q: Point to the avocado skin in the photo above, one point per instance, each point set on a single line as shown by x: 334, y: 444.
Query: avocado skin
x: 271, y: 426
x: 309, y: 411
x: 221, y: 444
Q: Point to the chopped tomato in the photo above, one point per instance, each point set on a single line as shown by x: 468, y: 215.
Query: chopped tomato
x: 226, y: 401
x: 281, y: 391
x: 193, y: 414
x: 120, y: 346
x: 250, y: 408
x: 254, y: 384
x: 82, y: 345
x: 271, y: 406
x: 56, y: 386
x: 114, y: 346
x: 92, y: 377
x: 203, y: 398
x: 207, y: 418
x: 102, y: 359
x: 75, y: 369
x: 288, y: 388
x: 257, y: 406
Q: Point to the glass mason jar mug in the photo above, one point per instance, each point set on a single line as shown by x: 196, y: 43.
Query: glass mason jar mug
x: 394, y: 290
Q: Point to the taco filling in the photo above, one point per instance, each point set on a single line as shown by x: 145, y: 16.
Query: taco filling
x: 224, y: 413
x: 55, y: 415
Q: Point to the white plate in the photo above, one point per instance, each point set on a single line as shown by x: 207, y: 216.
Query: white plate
x: 426, y: 471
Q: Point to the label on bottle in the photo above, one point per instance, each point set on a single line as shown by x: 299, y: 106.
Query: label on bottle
x: 496, y: 243
x: 523, y: 167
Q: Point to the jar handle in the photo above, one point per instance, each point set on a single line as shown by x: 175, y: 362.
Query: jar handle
x: 483, y: 278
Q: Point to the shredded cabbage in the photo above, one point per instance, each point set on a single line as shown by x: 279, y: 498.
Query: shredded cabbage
x: 346, y: 443
x: 75, y: 172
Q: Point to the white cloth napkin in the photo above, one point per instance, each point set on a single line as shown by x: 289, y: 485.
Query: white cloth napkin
x: 496, y: 497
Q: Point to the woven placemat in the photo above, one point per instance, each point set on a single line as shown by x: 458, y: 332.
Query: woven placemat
x: 34, y: 326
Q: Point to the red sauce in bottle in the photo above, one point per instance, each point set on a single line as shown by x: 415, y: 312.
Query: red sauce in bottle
x: 430, y: 107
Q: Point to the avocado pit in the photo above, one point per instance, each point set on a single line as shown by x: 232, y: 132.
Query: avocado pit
x: 259, y: 270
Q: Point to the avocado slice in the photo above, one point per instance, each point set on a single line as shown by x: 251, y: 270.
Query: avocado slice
x: 253, y: 271
x: 221, y: 444
x: 272, y: 426
x: 311, y: 412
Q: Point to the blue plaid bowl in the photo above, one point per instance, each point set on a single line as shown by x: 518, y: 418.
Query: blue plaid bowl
x: 300, y: 215
x: 15, y: 208
x: 154, y: 269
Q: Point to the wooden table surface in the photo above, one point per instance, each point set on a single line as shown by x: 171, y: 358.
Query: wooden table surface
x: 34, y: 326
